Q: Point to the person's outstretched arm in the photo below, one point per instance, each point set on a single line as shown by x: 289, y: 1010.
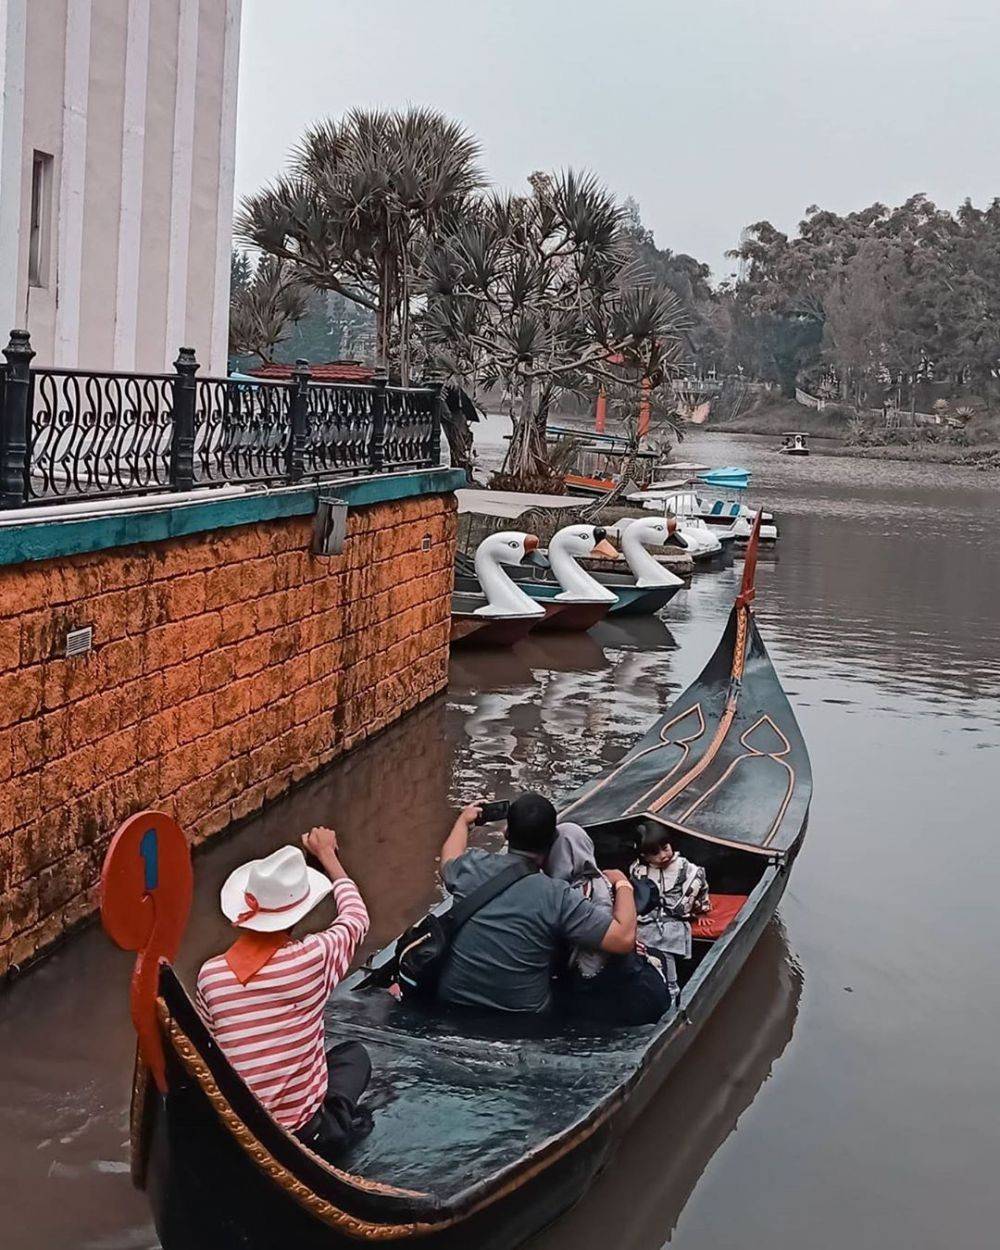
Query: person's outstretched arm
x: 457, y: 842
x: 349, y: 929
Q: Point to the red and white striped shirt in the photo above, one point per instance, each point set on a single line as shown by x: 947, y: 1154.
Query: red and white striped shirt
x: 272, y: 1028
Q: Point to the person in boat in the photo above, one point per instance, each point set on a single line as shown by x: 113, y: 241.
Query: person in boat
x: 682, y: 890
x: 611, y: 989
x: 263, y: 998
x: 504, y: 956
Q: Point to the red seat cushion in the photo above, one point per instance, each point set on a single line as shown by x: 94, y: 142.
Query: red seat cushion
x: 715, y: 922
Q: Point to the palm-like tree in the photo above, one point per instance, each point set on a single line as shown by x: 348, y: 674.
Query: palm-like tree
x: 355, y: 213
x: 536, y: 295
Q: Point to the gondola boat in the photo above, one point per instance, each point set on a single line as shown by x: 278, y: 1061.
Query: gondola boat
x: 486, y: 1128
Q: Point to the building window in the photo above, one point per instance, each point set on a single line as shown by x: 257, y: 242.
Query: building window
x: 41, y: 217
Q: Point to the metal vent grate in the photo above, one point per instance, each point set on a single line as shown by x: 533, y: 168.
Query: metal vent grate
x: 79, y: 641
x: 426, y: 544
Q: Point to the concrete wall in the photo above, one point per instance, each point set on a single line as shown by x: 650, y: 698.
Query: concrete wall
x: 226, y: 666
x: 135, y: 100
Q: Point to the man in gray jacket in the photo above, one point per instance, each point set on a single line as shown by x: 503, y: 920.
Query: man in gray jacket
x: 503, y: 957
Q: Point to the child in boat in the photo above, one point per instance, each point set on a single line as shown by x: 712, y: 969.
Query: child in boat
x: 665, y: 931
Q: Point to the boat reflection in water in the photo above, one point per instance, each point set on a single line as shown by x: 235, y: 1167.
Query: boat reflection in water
x: 636, y: 1203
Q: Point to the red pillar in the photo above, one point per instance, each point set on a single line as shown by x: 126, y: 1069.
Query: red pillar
x: 602, y: 411
x: 644, y: 411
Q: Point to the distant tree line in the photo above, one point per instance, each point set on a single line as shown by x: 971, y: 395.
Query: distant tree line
x: 870, y: 304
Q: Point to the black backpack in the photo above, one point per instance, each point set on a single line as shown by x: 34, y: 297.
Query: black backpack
x: 422, y: 949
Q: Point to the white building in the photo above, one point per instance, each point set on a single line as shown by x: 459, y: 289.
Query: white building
x: 117, y: 150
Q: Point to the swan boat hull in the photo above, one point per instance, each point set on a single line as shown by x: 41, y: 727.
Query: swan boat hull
x: 632, y: 600
x: 487, y: 1128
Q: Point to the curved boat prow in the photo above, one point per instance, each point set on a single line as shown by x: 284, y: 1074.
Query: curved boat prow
x: 748, y: 588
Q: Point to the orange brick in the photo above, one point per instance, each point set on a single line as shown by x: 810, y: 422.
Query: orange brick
x: 224, y: 586
x: 181, y: 682
x: 271, y: 611
x: 238, y: 622
x: 196, y: 718
x: 25, y: 589
x: 252, y: 655
x: 185, y: 596
x: 120, y: 662
x: 164, y: 646
x: 10, y: 645
x: 217, y: 668
x: 93, y: 718
x: 202, y: 634
x: 20, y: 694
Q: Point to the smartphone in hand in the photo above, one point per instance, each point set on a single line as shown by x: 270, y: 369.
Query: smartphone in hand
x: 494, y: 811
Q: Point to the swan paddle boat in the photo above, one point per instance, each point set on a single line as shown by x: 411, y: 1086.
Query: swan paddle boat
x: 647, y: 586
x: 486, y: 1127
x: 562, y: 581
x: 496, y: 612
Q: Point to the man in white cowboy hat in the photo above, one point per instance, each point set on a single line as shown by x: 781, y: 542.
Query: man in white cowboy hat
x: 263, y: 998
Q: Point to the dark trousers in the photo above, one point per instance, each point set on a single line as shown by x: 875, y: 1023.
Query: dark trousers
x: 340, y: 1122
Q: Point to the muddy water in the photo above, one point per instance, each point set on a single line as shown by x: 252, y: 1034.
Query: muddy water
x: 847, y: 1090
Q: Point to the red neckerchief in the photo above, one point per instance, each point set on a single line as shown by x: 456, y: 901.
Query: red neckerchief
x: 251, y: 951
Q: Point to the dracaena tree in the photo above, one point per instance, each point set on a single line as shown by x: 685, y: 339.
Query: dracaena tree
x: 535, y: 297
x: 362, y: 198
x: 266, y: 301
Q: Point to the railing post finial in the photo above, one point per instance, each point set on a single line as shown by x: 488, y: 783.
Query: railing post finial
x: 379, y: 407
x: 15, y: 420
x: 298, y: 435
x: 182, y: 443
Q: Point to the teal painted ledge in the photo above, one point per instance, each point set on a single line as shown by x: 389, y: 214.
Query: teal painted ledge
x: 44, y: 539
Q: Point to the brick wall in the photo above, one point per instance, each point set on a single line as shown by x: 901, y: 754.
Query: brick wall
x: 225, y: 667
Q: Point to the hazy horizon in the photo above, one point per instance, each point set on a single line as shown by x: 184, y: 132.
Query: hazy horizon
x: 711, y: 119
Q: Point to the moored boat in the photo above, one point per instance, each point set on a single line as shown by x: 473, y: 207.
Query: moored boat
x: 485, y: 1128
x: 794, y: 444
x: 495, y: 612
x: 647, y: 587
x: 582, y: 599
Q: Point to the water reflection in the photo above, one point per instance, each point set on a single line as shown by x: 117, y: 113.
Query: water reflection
x: 636, y: 1202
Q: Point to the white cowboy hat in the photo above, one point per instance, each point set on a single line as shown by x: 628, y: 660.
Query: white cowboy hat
x: 273, y: 893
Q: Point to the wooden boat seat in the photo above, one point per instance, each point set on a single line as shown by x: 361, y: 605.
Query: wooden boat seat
x: 718, y: 919
x: 458, y: 1095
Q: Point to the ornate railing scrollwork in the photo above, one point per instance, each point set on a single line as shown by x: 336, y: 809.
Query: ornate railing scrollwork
x: 98, y: 434
x: 78, y: 434
x: 241, y: 430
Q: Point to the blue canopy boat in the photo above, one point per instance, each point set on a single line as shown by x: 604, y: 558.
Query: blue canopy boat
x: 732, y: 476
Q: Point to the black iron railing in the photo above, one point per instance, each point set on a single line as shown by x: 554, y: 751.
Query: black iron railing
x: 75, y: 434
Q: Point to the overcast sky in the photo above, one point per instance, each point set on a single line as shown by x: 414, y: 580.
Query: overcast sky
x: 712, y: 113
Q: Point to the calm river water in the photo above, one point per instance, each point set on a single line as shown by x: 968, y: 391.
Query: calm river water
x: 847, y: 1091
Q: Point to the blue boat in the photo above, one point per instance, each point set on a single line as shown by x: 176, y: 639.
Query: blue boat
x: 732, y: 476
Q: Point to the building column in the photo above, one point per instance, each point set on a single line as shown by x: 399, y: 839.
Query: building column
x: 130, y: 208
x: 13, y: 22
x: 180, y: 182
x: 72, y: 183
x: 227, y: 174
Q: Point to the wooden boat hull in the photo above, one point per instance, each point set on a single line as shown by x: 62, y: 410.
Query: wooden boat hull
x: 574, y: 617
x: 486, y: 1127
x: 502, y: 631
x: 640, y: 601
x: 208, y: 1193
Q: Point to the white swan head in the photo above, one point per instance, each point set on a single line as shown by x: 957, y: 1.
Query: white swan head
x: 652, y: 531
x: 503, y: 597
x: 507, y: 547
x: 572, y: 543
x: 579, y: 541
